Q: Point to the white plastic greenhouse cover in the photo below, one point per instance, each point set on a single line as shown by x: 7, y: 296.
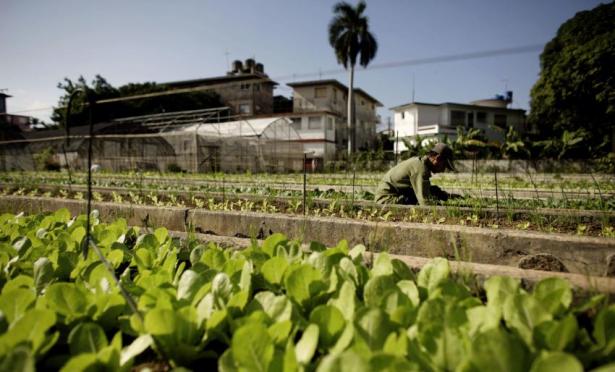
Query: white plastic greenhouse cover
x: 267, y: 128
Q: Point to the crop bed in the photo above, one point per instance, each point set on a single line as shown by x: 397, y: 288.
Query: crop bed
x: 575, y: 221
x: 272, y: 307
x: 543, y: 251
x: 556, y: 191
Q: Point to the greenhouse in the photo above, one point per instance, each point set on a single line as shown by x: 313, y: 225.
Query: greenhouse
x: 172, y: 142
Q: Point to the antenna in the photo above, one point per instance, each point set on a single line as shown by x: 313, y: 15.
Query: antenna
x: 505, y: 81
x: 226, y: 54
x: 413, y: 81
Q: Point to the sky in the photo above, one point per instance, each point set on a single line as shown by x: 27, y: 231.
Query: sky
x: 43, y: 41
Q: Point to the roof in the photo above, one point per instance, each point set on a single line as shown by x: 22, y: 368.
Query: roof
x: 478, y: 107
x: 413, y: 104
x: 271, y: 127
x: 219, y: 80
x: 335, y: 83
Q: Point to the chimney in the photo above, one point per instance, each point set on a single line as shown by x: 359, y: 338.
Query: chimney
x: 3, y: 97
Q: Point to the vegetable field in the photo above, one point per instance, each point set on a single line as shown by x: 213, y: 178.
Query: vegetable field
x: 579, y: 204
x: 275, y: 306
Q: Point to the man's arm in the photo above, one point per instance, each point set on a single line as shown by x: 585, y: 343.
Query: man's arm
x: 421, y: 185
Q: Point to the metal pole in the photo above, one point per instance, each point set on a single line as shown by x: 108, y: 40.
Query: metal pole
x: 89, y: 206
x: 497, y: 200
x: 354, y: 176
x: 396, y: 145
x: 304, y: 183
x: 67, y: 131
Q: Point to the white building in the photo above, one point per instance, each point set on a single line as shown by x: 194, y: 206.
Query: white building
x: 429, y: 120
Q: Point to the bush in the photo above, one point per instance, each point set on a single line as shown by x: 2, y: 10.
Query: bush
x: 174, y: 168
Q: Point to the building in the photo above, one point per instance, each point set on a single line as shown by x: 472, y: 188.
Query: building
x: 246, y: 89
x: 12, y: 123
x: 429, y: 120
x: 320, y: 117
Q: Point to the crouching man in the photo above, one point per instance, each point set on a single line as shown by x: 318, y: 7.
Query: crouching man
x: 408, y: 181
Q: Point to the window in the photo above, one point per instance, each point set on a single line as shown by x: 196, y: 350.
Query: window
x: 470, y: 120
x: 481, y: 117
x: 458, y: 118
x: 499, y: 120
x: 257, y: 87
x: 244, y: 86
x: 403, y: 114
x: 362, y: 103
x: 320, y: 92
x: 244, y: 108
x: 334, y: 96
x: 315, y: 123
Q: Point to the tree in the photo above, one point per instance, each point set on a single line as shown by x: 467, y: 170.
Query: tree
x: 101, y: 89
x: 576, y: 87
x: 513, y: 146
x: 350, y: 38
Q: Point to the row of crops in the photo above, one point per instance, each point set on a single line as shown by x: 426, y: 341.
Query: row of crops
x: 577, y: 221
x: 595, y: 184
x: 275, y: 306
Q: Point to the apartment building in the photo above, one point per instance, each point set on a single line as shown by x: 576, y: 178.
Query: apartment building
x: 246, y: 89
x: 320, y: 116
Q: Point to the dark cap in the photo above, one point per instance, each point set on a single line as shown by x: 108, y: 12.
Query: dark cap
x: 446, y: 153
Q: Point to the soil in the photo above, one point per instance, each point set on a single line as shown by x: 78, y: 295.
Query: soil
x: 542, y: 261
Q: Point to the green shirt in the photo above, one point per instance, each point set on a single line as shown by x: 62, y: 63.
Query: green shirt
x: 405, y: 179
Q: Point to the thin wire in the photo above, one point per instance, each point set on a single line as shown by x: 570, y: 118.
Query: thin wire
x: 394, y: 64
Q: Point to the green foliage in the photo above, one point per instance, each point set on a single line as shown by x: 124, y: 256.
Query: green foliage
x: 576, y: 83
x: 44, y: 160
x: 272, y: 307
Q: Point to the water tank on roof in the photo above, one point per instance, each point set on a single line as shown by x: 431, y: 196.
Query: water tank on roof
x: 237, y: 66
x: 509, y: 96
x: 500, y: 100
x: 250, y: 65
x: 260, y: 68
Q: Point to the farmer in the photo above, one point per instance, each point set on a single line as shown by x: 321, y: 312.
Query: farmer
x: 408, y: 181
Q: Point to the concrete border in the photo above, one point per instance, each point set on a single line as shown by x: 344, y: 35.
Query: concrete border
x: 582, y: 283
x: 582, y: 255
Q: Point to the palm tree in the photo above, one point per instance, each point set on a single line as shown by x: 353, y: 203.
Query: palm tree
x: 350, y: 38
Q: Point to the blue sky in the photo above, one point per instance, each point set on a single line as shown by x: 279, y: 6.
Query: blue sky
x: 136, y: 41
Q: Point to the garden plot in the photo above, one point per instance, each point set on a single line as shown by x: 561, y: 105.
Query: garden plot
x: 584, y: 255
x: 492, y: 215
x: 272, y: 305
x: 598, y: 192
